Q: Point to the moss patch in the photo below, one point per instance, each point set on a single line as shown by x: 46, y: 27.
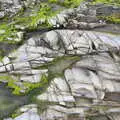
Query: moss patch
x: 37, y: 19
x: 14, y: 115
x: 53, y: 1
x: 55, y: 68
x: 8, y: 34
x: 72, y: 3
x: 59, y: 64
x: 114, y: 18
x: 11, y: 83
x: 67, y: 3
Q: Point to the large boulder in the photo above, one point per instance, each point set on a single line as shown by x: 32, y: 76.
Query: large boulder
x: 84, y: 76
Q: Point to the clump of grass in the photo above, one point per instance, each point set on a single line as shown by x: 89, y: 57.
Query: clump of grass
x: 114, y: 18
x: 41, y: 84
x: 72, y: 3
x: 67, y: 3
x: 53, y: 1
x: 14, y: 115
x: 9, y: 32
x: 43, y: 14
x: 11, y: 83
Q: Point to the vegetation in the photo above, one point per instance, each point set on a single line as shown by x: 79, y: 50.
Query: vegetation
x: 37, y: 18
x: 14, y: 115
x: 67, y: 3
x: 8, y: 30
x: 113, y: 18
x: 7, y: 33
x: 52, y: 1
x: 33, y: 20
x: 72, y: 3
x: 12, y: 83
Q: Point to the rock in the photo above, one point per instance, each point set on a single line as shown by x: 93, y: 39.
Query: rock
x: 2, y: 32
x: 82, y: 9
x: 29, y: 115
x: 28, y: 107
x: 53, y: 21
x: 2, y: 14
x: 60, y: 18
x: 104, y: 10
x: 10, y: 7
x: 79, y: 69
x: 20, y: 27
x: 6, y: 60
x: 52, y: 39
x: 20, y: 36
x: 8, y: 119
x: 83, y: 69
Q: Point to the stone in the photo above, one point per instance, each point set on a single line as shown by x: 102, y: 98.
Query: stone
x: 53, y: 21
x: 20, y: 36
x: 2, y: 14
x: 29, y: 115
x: 6, y: 60
x: 84, y: 76
x: 25, y: 108
x: 8, y: 119
x: 104, y: 10
x: 52, y: 39
x: 60, y: 18
x: 2, y: 32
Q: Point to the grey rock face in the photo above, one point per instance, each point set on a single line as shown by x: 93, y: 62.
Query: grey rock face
x: 87, y: 86
x: 83, y: 17
x: 2, y: 14
x: 83, y: 67
x: 10, y: 7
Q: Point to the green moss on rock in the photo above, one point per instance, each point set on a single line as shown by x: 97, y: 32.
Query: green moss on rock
x: 53, y: 1
x: 7, y: 33
x: 114, y: 18
x: 39, y: 18
x: 72, y: 3
x: 11, y: 83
